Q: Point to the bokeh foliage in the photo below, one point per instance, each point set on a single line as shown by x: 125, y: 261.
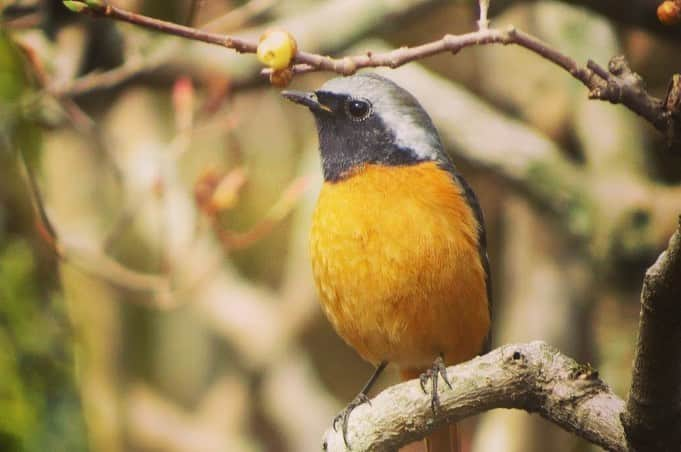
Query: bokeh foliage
x: 38, y: 396
x: 39, y: 401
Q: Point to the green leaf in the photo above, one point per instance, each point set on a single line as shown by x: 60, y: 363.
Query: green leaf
x: 17, y: 130
x: 12, y: 74
x: 75, y: 6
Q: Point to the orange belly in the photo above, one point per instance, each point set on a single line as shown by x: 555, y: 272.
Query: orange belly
x: 396, y: 263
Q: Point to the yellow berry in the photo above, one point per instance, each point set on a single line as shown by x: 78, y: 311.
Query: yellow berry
x: 276, y: 49
x: 669, y: 12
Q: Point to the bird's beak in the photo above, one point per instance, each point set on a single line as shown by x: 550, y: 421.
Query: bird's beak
x: 303, y: 98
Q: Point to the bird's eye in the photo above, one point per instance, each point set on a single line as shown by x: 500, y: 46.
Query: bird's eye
x: 358, y: 109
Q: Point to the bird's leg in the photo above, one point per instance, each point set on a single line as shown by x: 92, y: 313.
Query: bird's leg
x: 360, y: 399
x: 438, y: 369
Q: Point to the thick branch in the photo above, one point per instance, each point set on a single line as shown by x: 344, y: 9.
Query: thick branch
x: 653, y: 417
x: 537, y: 378
x: 534, y: 377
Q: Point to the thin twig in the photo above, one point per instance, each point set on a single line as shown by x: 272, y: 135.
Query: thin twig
x: 483, y: 22
x: 45, y: 228
x: 617, y: 85
x: 134, y: 65
x: 233, y: 240
x: 194, y: 34
x: 602, y: 84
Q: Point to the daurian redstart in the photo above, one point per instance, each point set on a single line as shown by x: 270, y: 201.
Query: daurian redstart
x: 397, y: 242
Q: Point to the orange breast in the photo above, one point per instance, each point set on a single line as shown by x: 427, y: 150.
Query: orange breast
x: 395, y: 258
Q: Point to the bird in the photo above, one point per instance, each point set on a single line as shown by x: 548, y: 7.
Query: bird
x: 397, y: 241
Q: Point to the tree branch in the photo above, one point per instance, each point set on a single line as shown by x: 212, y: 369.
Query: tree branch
x: 534, y: 377
x: 653, y: 416
x: 618, y: 85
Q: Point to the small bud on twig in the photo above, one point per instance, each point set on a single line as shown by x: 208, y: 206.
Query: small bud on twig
x: 183, y: 103
x: 80, y: 6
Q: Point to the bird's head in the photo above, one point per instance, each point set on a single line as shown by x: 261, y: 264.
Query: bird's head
x: 368, y: 119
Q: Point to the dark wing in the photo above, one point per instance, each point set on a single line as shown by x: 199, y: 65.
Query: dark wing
x: 482, y: 238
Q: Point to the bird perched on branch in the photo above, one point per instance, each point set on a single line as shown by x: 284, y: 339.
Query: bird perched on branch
x: 397, y: 242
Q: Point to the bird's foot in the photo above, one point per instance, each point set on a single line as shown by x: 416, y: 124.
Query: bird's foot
x: 437, y: 370
x: 344, y: 415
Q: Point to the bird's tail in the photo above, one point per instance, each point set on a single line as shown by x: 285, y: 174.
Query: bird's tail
x: 445, y: 439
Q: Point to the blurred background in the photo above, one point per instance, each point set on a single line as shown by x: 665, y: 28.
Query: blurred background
x: 155, y: 197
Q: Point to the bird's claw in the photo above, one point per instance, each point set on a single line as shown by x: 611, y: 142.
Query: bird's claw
x: 437, y: 370
x: 344, y: 415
